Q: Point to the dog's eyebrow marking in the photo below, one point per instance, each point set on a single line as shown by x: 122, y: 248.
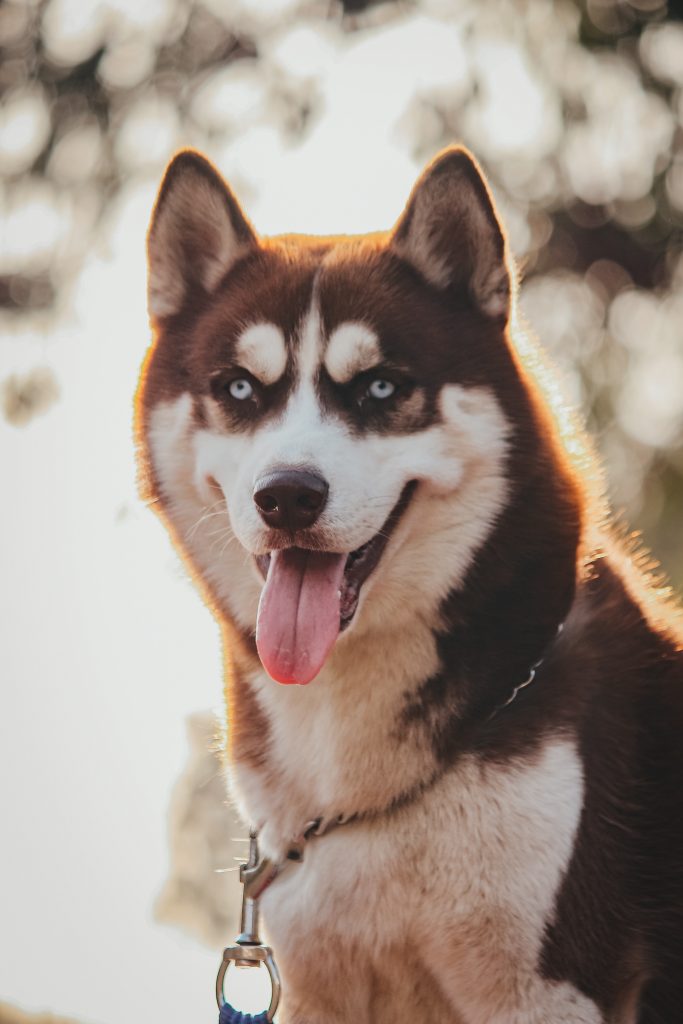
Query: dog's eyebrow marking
x: 352, y: 348
x: 261, y: 349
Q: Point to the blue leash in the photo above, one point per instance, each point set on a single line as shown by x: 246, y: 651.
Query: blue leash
x: 229, y: 1015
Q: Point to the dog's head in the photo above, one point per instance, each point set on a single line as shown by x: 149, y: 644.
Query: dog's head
x: 325, y: 420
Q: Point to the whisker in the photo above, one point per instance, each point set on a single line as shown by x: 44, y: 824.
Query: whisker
x: 208, y: 512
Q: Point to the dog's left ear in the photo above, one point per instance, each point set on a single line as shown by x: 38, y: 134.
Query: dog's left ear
x: 450, y: 232
x: 198, y: 232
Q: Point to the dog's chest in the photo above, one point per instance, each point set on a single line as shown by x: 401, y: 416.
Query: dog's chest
x: 472, y: 867
x: 338, y: 747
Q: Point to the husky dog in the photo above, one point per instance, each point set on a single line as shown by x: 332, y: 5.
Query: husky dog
x: 434, y: 641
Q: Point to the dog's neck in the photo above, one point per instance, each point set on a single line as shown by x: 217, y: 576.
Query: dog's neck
x: 504, y: 618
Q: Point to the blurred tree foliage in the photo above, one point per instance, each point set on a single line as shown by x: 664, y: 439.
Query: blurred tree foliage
x: 587, y: 165
x: 12, y: 1015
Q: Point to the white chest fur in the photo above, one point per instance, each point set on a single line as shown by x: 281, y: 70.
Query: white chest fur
x: 445, y: 900
x: 334, y: 747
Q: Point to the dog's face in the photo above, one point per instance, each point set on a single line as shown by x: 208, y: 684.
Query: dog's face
x: 330, y: 410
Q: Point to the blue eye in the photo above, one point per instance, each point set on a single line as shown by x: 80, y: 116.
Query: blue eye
x: 381, y: 389
x: 241, y: 389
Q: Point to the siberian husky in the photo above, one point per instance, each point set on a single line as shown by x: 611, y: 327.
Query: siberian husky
x: 434, y: 641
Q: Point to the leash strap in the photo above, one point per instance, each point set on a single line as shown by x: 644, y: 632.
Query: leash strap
x: 229, y: 1015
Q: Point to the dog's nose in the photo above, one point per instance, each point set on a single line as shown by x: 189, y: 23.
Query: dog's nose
x: 290, y: 499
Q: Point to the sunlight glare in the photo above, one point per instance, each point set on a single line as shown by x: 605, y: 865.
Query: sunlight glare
x: 514, y: 112
x: 127, y: 63
x: 33, y: 226
x: 662, y: 49
x: 303, y: 51
x: 77, y: 154
x: 72, y: 30
x: 614, y: 153
x: 230, y: 95
x: 149, y: 132
x: 24, y: 128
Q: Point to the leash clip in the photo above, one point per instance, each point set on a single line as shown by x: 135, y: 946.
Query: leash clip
x: 248, y: 950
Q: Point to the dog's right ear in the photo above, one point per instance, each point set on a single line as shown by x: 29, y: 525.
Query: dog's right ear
x: 451, y: 233
x: 197, y: 233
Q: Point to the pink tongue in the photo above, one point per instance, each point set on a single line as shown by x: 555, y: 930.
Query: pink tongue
x: 298, y: 615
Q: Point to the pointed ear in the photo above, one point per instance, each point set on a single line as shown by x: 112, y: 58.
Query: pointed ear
x: 450, y: 232
x: 197, y: 233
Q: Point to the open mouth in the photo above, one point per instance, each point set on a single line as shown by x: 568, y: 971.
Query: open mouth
x: 310, y: 597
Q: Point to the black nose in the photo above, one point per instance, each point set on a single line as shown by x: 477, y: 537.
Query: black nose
x: 290, y: 499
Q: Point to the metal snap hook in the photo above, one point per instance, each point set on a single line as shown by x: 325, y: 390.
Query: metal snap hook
x: 248, y: 950
x: 249, y: 956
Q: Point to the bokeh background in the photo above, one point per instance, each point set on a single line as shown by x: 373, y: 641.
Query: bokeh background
x: 321, y: 114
